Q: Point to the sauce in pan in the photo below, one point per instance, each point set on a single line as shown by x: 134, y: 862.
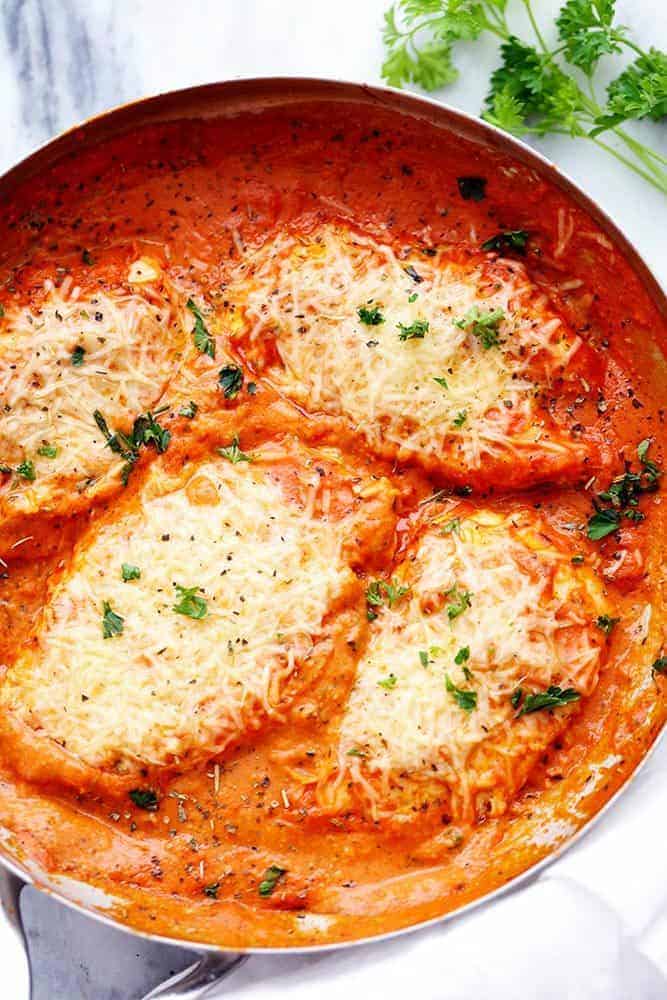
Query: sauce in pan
x: 330, y: 521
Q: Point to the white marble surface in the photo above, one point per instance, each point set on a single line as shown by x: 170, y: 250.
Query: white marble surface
x: 62, y: 60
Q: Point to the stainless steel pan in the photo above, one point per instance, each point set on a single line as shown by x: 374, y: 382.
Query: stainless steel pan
x: 214, y: 100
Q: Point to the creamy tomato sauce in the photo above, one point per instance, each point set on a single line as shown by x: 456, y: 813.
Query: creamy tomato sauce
x: 236, y: 850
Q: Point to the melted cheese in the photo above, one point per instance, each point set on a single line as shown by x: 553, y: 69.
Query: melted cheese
x: 304, y: 296
x: 130, y: 340
x: 529, y: 625
x: 270, y: 570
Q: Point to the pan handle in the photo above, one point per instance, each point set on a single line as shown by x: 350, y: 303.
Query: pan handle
x: 13, y: 944
x: 200, y: 980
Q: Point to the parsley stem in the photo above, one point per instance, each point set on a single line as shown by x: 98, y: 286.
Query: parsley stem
x: 643, y: 152
x: 659, y: 183
x: 533, y: 22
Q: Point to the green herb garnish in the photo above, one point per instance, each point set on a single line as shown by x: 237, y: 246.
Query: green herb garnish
x: 459, y: 601
x: 77, y: 356
x: 389, y: 682
x: 189, y: 602
x: 472, y: 188
x: 112, y: 624
x: 129, y: 572
x: 441, y: 381
x: 189, y: 410
x: 460, y: 418
x: 467, y: 700
x: 415, y: 331
x: 230, y: 379
x: 510, y: 239
x: 621, y: 498
x: 47, y: 451
x: 659, y: 666
x: 271, y: 878
x: 212, y: 890
x: 144, y: 798
x: 371, y: 317
x: 233, y: 452
x: 606, y: 623
x: 551, y: 698
x: 203, y: 340
x: 462, y: 656
x: 483, y: 325
x: 26, y: 470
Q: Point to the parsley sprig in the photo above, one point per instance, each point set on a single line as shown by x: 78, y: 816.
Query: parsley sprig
x: 538, y: 89
x: 621, y: 498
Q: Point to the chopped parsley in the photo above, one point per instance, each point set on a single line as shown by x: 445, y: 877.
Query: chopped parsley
x: 77, y: 356
x: 112, y: 624
x: 517, y: 695
x: 622, y: 496
x: 483, y: 325
x: 441, y: 381
x: 26, y: 470
x: 145, y: 431
x: 87, y: 258
x: 467, y: 700
x: 460, y: 601
x: 551, y: 698
x: 189, y: 410
x: 462, y: 656
x: 381, y: 592
x: 659, y: 666
x: 415, y: 331
x: 389, y: 682
x: 371, y: 317
x: 203, y: 340
x: 423, y: 657
x: 47, y: 451
x: 355, y: 752
x: 129, y: 572
x: 270, y: 880
x: 453, y: 525
x: 189, y: 602
x: 144, y: 798
x: 472, y: 188
x: 230, y: 379
x: 460, y: 418
x: 606, y: 623
x: 212, y: 890
x: 509, y: 239
x: 233, y: 452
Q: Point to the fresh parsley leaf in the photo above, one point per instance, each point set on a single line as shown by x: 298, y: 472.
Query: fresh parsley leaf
x: 26, y: 470
x: 517, y: 695
x: 189, y: 602
x: 270, y: 880
x: 659, y: 666
x: 602, y: 523
x: 230, y: 379
x: 551, y: 698
x: 462, y: 656
x: 389, y: 682
x: 381, y: 592
x: 423, y: 657
x: 147, y: 431
x: 203, y: 340
x: 441, y: 381
x: 460, y: 418
x: 509, y: 239
x: 453, y: 525
x: 467, y: 700
x: 355, y: 752
x: 587, y: 31
x: 371, y: 317
x: 189, y: 410
x: 606, y: 623
x: 639, y: 92
x: 77, y: 356
x: 233, y: 452
x: 460, y: 601
x: 415, y: 331
x: 144, y: 798
x: 482, y: 325
x: 112, y: 624
x: 47, y: 451
x: 472, y: 188
x: 129, y: 572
